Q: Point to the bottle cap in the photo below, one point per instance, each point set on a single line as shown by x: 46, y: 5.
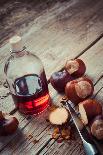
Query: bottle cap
x: 16, y: 43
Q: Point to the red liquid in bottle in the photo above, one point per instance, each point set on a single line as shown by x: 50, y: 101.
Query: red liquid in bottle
x: 32, y: 95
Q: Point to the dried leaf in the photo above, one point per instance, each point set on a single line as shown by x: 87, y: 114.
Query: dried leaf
x: 60, y: 140
x: 66, y: 133
x: 56, y: 133
x: 35, y: 141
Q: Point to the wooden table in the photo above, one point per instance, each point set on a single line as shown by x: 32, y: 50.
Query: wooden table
x: 54, y: 30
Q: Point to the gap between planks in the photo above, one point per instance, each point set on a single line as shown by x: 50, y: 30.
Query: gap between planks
x: 33, y: 131
x: 57, y: 17
x: 95, y: 84
x: 44, y: 150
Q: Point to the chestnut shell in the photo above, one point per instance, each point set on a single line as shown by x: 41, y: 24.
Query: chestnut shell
x: 59, y: 80
x: 81, y: 70
x: 97, y: 127
x: 8, y: 126
x: 71, y: 93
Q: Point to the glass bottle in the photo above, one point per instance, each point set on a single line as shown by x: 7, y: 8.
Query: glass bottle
x: 26, y: 79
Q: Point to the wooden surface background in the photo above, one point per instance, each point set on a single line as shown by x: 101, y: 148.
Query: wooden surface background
x: 55, y: 30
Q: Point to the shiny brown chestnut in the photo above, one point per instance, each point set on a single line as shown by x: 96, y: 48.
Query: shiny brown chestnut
x: 97, y: 127
x: 75, y: 67
x: 8, y: 124
x: 59, y: 80
x: 88, y: 109
x: 78, y: 90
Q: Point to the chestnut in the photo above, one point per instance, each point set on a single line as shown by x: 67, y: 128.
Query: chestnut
x: 75, y: 68
x: 97, y: 127
x: 8, y: 124
x: 59, y: 80
x: 78, y: 90
x: 59, y: 116
x: 89, y: 109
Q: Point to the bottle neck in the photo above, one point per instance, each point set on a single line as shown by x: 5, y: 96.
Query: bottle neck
x: 19, y: 53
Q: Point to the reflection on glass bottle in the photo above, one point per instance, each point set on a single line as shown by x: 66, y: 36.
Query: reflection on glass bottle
x: 27, y: 80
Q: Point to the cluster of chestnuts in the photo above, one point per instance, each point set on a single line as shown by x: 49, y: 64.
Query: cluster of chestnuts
x: 73, y: 69
x: 78, y: 89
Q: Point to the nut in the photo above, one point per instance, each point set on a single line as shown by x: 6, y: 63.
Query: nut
x: 59, y: 80
x: 76, y: 68
x: 79, y: 89
x: 89, y: 109
x: 83, y: 89
x: 97, y: 127
x: 8, y: 124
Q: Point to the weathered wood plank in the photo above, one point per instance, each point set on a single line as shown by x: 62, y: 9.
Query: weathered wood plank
x: 52, y: 41
x: 34, y: 129
x: 94, y: 63
x: 29, y: 135
x: 6, y: 102
x: 61, y: 32
x: 67, y: 28
x: 18, y: 16
x: 24, y: 120
x: 55, y: 148
x: 54, y: 93
x: 22, y: 123
x: 93, y: 60
x: 98, y: 86
x: 94, y: 69
x: 65, y: 148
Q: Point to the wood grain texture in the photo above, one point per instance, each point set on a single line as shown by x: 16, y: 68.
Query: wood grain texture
x: 23, y: 135
x: 18, y: 16
x: 72, y: 148
x: 35, y: 134
x: 63, y: 31
x: 40, y: 130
